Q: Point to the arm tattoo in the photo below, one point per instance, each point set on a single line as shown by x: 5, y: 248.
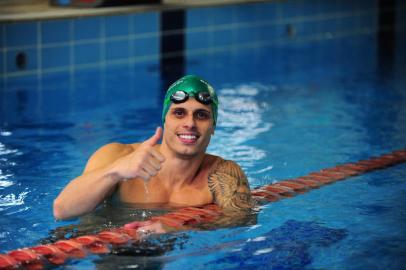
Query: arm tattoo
x: 229, y: 186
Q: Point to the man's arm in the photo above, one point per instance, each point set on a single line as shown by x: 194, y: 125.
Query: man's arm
x: 229, y: 186
x: 105, y: 169
x: 95, y: 184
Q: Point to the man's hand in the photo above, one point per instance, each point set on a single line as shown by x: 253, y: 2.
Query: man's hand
x: 144, y: 162
x: 147, y: 227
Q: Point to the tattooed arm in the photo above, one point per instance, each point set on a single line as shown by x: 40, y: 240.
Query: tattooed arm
x: 229, y: 186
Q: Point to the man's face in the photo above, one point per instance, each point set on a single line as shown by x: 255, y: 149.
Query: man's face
x: 188, y: 128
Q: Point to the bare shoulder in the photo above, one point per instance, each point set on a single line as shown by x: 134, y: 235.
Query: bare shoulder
x: 229, y: 185
x: 107, y: 154
x: 227, y: 167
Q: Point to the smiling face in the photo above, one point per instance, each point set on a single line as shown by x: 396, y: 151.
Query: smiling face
x: 188, y: 128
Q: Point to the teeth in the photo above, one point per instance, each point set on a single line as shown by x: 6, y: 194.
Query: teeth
x: 188, y: 137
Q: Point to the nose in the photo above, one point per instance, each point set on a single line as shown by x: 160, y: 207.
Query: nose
x: 189, y: 122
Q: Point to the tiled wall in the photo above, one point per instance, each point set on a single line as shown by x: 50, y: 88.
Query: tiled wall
x: 74, y: 44
x: 70, y: 45
x: 277, y: 23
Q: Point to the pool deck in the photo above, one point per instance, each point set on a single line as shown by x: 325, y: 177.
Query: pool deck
x: 42, y: 10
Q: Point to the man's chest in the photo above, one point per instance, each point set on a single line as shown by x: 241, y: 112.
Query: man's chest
x: 138, y: 191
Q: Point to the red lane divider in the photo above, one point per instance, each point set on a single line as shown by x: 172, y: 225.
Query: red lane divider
x: 59, y: 252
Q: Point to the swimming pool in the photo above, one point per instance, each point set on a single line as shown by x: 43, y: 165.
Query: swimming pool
x: 288, y: 109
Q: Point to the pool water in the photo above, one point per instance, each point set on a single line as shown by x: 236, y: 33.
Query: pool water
x: 285, y: 112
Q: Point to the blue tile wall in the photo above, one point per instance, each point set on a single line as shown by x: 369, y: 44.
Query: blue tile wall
x: 222, y: 38
x: 87, y: 28
x: 55, y: 31
x: 87, y: 41
x: 87, y: 53
x: 2, y: 35
x: 197, y: 40
x: 54, y: 57
x: 222, y: 15
x: 117, y: 49
x: 145, y: 23
x: 270, y: 22
x: 117, y: 25
x: 291, y: 9
x: 1, y: 63
x: 21, y: 34
x: 247, y: 35
x: 31, y: 60
x: 146, y: 47
x: 265, y: 11
x: 246, y: 14
x: 198, y: 17
x: 133, y: 38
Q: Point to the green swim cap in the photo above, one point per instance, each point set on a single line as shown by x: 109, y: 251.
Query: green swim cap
x: 192, y: 85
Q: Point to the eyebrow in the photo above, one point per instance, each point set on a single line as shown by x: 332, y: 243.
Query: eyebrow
x: 197, y: 110
x: 202, y: 110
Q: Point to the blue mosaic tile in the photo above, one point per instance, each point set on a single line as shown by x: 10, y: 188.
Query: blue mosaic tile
x: 145, y: 23
x: 146, y: 47
x: 291, y: 9
x: 117, y: 25
x: 87, y: 28
x: 307, y: 28
x: 310, y: 8
x: 265, y: 11
x: 53, y: 81
x: 1, y: 36
x: 55, y: 31
x: 329, y: 26
x: 21, y: 34
x: 347, y: 23
x: 223, y: 15
x: 197, y: 17
x: 197, y: 40
x: 246, y: 14
x: 272, y: 32
x: 247, y: 35
x: 222, y: 38
x: 55, y: 57
x: 368, y: 21
x: 117, y: 49
x: 87, y: 53
x: 330, y: 7
x: 1, y: 63
x: 30, y: 56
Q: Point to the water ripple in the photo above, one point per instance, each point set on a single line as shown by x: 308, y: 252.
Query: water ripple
x: 5, y: 133
x: 12, y: 199
x: 241, y: 120
x: 6, y: 151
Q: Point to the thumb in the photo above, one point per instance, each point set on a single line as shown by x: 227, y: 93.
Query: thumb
x: 155, y: 138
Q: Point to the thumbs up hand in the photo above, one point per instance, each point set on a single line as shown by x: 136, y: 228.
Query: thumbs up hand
x: 144, y: 162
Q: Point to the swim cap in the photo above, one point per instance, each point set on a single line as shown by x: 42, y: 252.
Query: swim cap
x: 192, y: 85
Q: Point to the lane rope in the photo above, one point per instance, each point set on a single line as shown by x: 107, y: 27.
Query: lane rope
x: 58, y: 253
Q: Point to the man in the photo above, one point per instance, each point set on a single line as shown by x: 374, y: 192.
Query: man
x: 176, y: 173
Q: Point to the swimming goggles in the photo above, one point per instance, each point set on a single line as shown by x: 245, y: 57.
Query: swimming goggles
x: 181, y: 96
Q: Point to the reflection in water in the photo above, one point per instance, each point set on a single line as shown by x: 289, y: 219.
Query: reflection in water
x: 12, y: 199
x: 240, y: 121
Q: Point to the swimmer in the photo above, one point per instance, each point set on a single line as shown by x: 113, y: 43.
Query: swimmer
x: 178, y: 172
